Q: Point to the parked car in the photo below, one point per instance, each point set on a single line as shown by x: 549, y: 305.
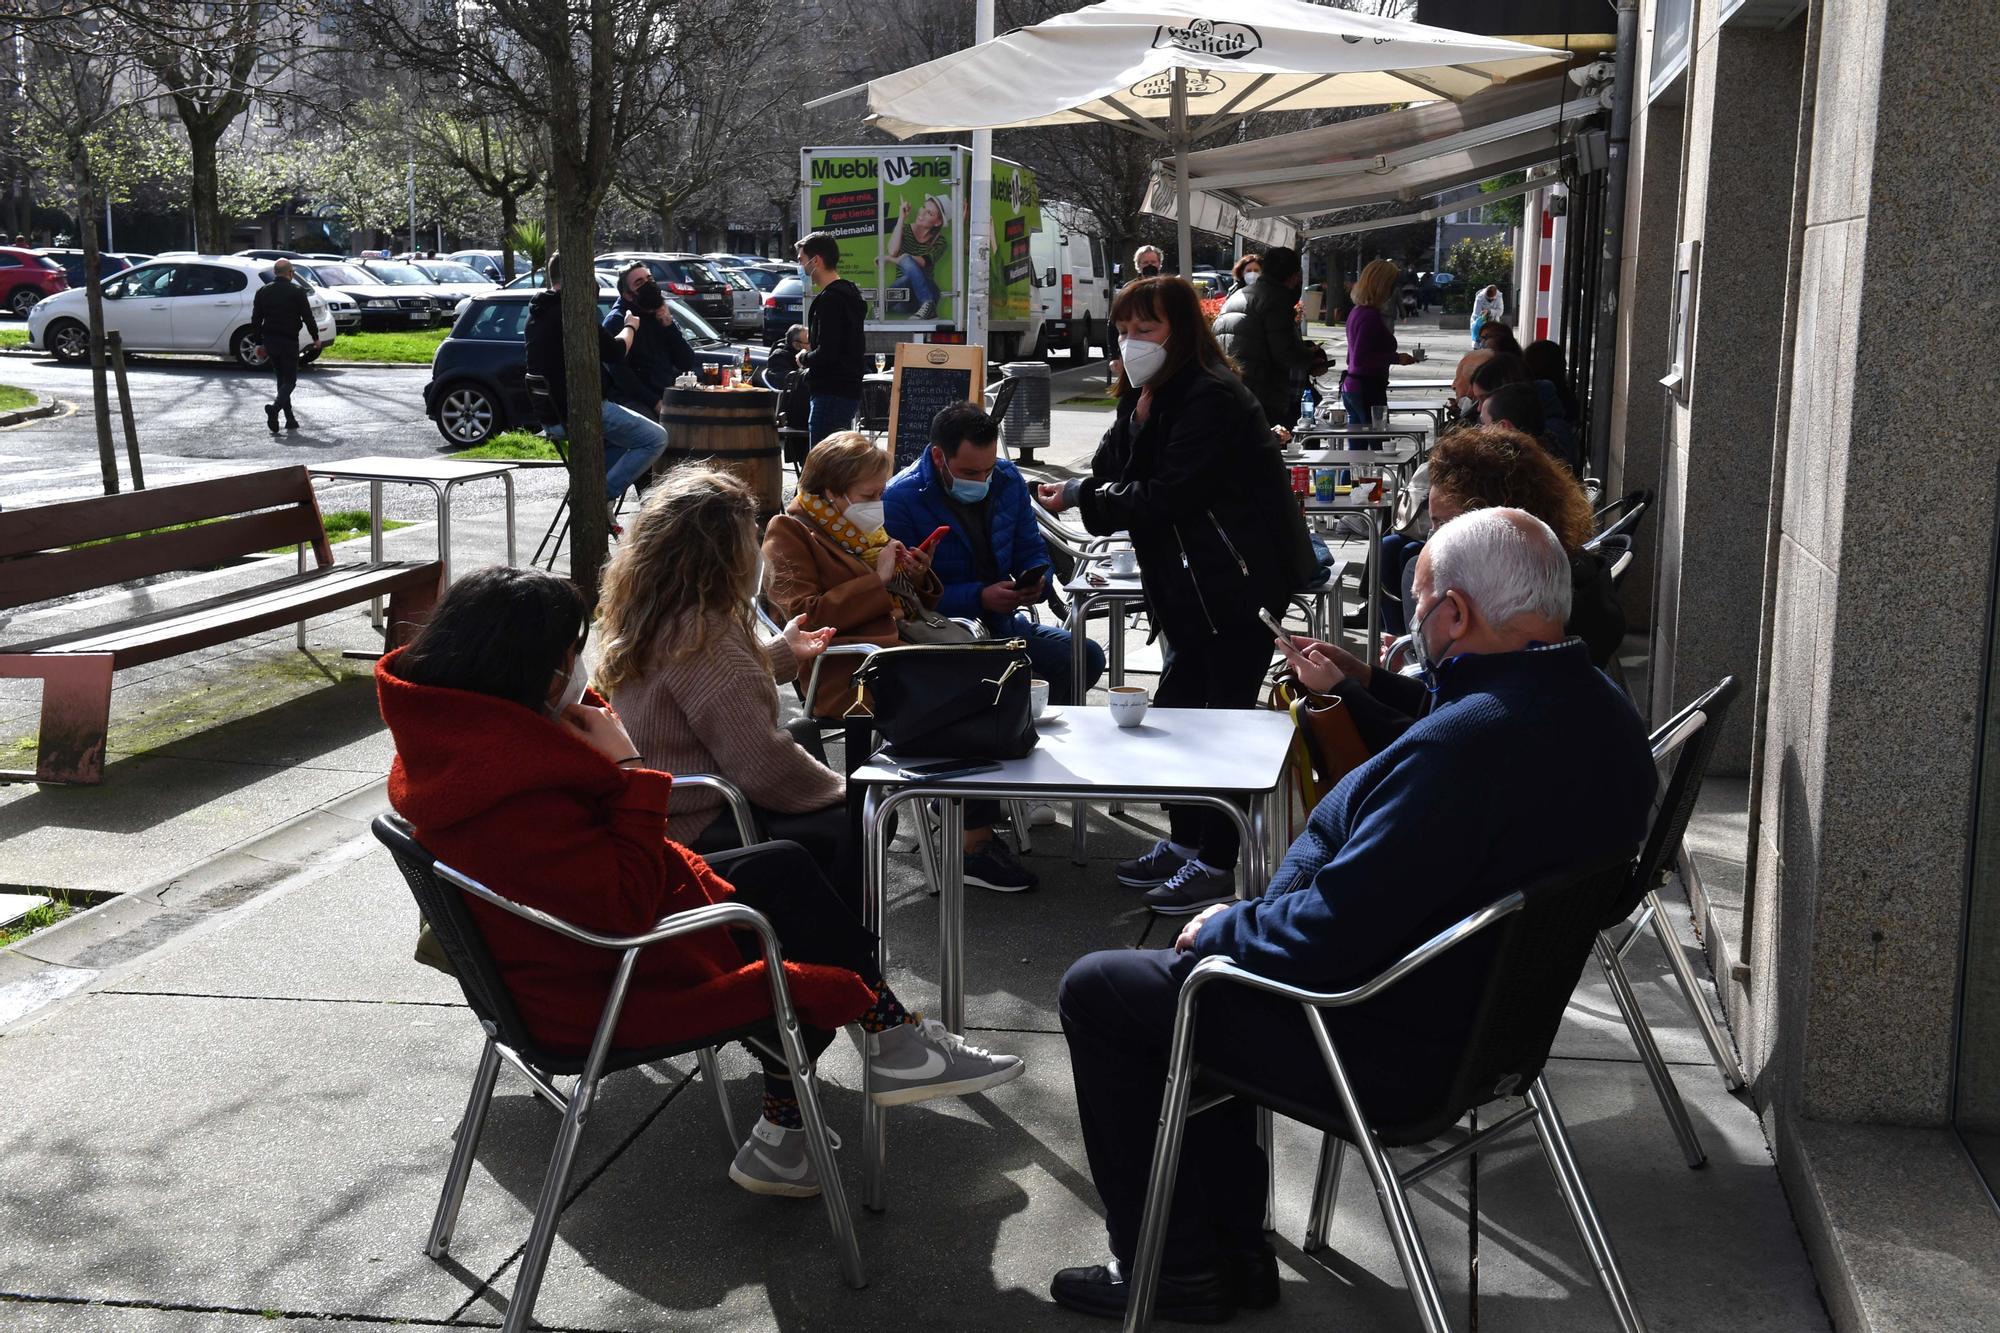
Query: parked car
x: 746, y: 315
x: 397, y: 273
x: 784, y: 306
x: 491, y: 263
x: 766, y: 276
x: 382, y: 306
x: 269, y: 254
x: 476, y: 388
x: 727, y: 260
x: 133, y: 258
x: 198, y: 306
x: 26, y: 277
x: 72, y: 263
x: 461, y: 280
x: 346, y: 310
x: 685, y: 276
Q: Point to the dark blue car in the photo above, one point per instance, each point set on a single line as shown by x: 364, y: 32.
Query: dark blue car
x: 477, y: 387
x: 784, y: 306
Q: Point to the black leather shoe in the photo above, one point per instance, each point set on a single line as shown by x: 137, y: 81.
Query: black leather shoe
x: 271, y: 417
x: 1184, y: 1298
x: 1252, y: 1279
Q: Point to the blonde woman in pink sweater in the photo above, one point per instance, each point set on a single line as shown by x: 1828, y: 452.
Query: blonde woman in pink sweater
x: 682, y: 663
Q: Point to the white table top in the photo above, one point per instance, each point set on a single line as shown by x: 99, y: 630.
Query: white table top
x: 1174, y: 750
x: 1123, y: 584
x: 383, y: 468
x: 1401, y: 452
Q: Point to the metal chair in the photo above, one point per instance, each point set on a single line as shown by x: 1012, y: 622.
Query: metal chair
x: 1621, y: 518
x: 439, y: 891
x: 1687, y: 741
x: 1545, y: 933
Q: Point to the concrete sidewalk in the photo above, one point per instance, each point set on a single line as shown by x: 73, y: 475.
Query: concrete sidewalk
x: 231, y: 1092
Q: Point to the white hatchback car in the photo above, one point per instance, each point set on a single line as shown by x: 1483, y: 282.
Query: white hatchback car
x: 198, y: 304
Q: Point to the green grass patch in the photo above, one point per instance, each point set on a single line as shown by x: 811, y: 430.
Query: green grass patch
x: 13, y: 399
x: 514, y: 446
x: 407, y: 347
x: 38, y: 918
x: 1087, y: 403
x: 341, y: 525
x: 13, y: 337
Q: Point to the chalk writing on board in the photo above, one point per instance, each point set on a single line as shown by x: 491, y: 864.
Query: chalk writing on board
x: 922, y: 393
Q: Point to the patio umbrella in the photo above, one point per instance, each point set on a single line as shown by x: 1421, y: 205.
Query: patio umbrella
x: 1201, y: 66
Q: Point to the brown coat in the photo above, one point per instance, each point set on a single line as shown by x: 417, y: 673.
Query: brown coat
x: 806, y: 573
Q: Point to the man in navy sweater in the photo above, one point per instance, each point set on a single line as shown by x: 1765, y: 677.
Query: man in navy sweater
x: 1530, y: 763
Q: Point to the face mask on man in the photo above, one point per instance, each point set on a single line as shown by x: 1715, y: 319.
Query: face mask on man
x: 1142, y: 359
x: 1426, y: 664
x: 1149, y: 270
x: 968, y: 492
x: 865, y: 515
x: 1467, y: 409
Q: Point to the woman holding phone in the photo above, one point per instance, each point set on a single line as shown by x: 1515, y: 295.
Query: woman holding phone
x: 827, y: 558
x: 1191, y: 470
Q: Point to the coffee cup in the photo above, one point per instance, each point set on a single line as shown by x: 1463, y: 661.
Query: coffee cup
x: 1123, y: 562
x: 1038, y: 696
x: 1128, y: 705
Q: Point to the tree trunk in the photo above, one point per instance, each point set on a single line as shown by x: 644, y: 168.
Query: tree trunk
x: 666, y: 216
x: 210, y: 228
x: 100, y: 392
x: 590, y: 518
x: 510, y: 217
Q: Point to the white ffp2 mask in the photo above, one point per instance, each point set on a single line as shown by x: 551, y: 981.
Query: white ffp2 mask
x: 1142, y: 359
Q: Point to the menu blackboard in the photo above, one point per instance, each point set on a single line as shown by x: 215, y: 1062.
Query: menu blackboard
x: 929, y: 378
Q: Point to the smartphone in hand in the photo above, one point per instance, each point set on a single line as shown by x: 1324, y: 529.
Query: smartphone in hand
x: 1030, y: 577
x: 937, y: 535
x: 1278, y: 631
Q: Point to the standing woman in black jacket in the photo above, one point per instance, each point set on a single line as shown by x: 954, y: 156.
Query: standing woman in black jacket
x: 1259, y: 330
x: 1190, y: 469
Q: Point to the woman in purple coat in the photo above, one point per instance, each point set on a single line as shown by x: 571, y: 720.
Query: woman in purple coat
x: 1371, y: 344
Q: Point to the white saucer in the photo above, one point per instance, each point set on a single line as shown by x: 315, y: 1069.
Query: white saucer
x: 1049, y: 714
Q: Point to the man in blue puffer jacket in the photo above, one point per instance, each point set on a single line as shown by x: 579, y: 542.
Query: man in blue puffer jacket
x: 961, y: 482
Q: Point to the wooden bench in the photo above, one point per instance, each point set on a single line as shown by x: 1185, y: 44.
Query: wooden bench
x: 40, y: 559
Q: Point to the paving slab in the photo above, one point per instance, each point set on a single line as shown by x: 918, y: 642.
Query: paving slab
x: 259, y: 1154
x: 81, y: 1317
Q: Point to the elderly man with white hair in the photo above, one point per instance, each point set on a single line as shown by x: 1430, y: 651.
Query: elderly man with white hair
x: 1529, y: 763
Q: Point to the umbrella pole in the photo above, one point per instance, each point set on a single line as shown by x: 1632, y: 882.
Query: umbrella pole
x: 1183, y: 195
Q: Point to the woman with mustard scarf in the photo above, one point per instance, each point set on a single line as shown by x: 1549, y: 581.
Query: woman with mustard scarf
x: 827, y: 558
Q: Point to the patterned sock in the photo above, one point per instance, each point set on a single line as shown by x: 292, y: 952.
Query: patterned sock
x: 781, y: 1108
x: 887, y: 1012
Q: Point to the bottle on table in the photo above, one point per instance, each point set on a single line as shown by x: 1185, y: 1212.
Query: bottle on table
x: 1306, y: 409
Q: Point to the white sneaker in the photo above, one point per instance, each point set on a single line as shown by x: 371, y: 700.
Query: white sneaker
x: 774, y: 1160
x: 914, y: 1062
x: 1041, y: 814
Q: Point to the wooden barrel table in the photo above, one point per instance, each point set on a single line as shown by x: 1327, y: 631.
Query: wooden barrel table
x: 732, y: 429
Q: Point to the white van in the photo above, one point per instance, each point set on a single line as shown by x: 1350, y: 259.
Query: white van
x: 1072, y: 287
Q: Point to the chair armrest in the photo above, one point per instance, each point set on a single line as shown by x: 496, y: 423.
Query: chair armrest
x: 838, y: 650
x: 712, y: 917
x: 747, y: 831
x: 1397, y: 654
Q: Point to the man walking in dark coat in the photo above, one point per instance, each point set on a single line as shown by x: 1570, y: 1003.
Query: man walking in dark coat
x: 1532, y: 764
x: 278, y: 312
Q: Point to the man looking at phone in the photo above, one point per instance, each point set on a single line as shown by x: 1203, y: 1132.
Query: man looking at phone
x: 992, y: 561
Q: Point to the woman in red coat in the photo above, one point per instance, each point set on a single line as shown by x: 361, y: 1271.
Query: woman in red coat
x: 512, y: 774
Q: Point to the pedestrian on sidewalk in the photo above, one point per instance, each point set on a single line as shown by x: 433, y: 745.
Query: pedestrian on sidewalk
x: 278, y: 312
x: 835, y: 341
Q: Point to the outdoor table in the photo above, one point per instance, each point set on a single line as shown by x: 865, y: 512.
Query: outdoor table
x: 1377, y: 512
x: 1118, y: 591
x: 1231, y: 760
x: 442, y: 475
x: 1416, y: 434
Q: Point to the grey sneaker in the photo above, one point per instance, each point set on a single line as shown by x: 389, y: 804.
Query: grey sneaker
x: 774, y: 1160
x: 1191, y: 888
x: 1152, y: 869
x: 914, y: 1062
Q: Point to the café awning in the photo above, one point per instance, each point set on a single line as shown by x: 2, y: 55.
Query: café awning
x: 1408, y: 156
x: 1197, y: 66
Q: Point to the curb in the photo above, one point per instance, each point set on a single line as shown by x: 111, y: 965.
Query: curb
x: 47, y: 409
x: 33, y: 354
x: 115, y: 936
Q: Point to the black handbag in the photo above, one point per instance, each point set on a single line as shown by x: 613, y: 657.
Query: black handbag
x: 951, y: 701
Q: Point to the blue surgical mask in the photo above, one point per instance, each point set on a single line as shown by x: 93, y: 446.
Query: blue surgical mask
x: 968, y: 492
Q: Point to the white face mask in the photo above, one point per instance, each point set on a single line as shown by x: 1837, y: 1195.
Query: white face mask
x: 1250, y: 277
x: 1466, y: 407
x: 865, y: 515
x: 572, y: 691
x: 1142, y: 359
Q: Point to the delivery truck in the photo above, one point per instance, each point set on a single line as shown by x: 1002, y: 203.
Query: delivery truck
x: 901, y: 214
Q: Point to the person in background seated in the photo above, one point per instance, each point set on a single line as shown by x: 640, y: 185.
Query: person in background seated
x: 1495, y: 336
x: 631, y: 441
x: 962, y: 483
x: 660, y: 352
x: 827, y: 558
x: 1464, y: 409
x: 1530, y: 764
x: 1504, y: 370
x: 512, y: 772
x: 1544, y: 360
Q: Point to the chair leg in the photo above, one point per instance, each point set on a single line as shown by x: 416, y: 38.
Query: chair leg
x: 469, y: 1126
x: 1649, y: 1052
x: 548, y: 1210
x: 1582, y: 1209
x: 927, y: 848
x: 1144, y: 1279
x: 1719, y: 1048
x: 409, y: 611
x: 1326, y: 1191
x: 1409, y: 1242
x: 820, y: 1146
x: 1266, y: 1143
x: 1018, y: 812
x: 711, y: 1074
